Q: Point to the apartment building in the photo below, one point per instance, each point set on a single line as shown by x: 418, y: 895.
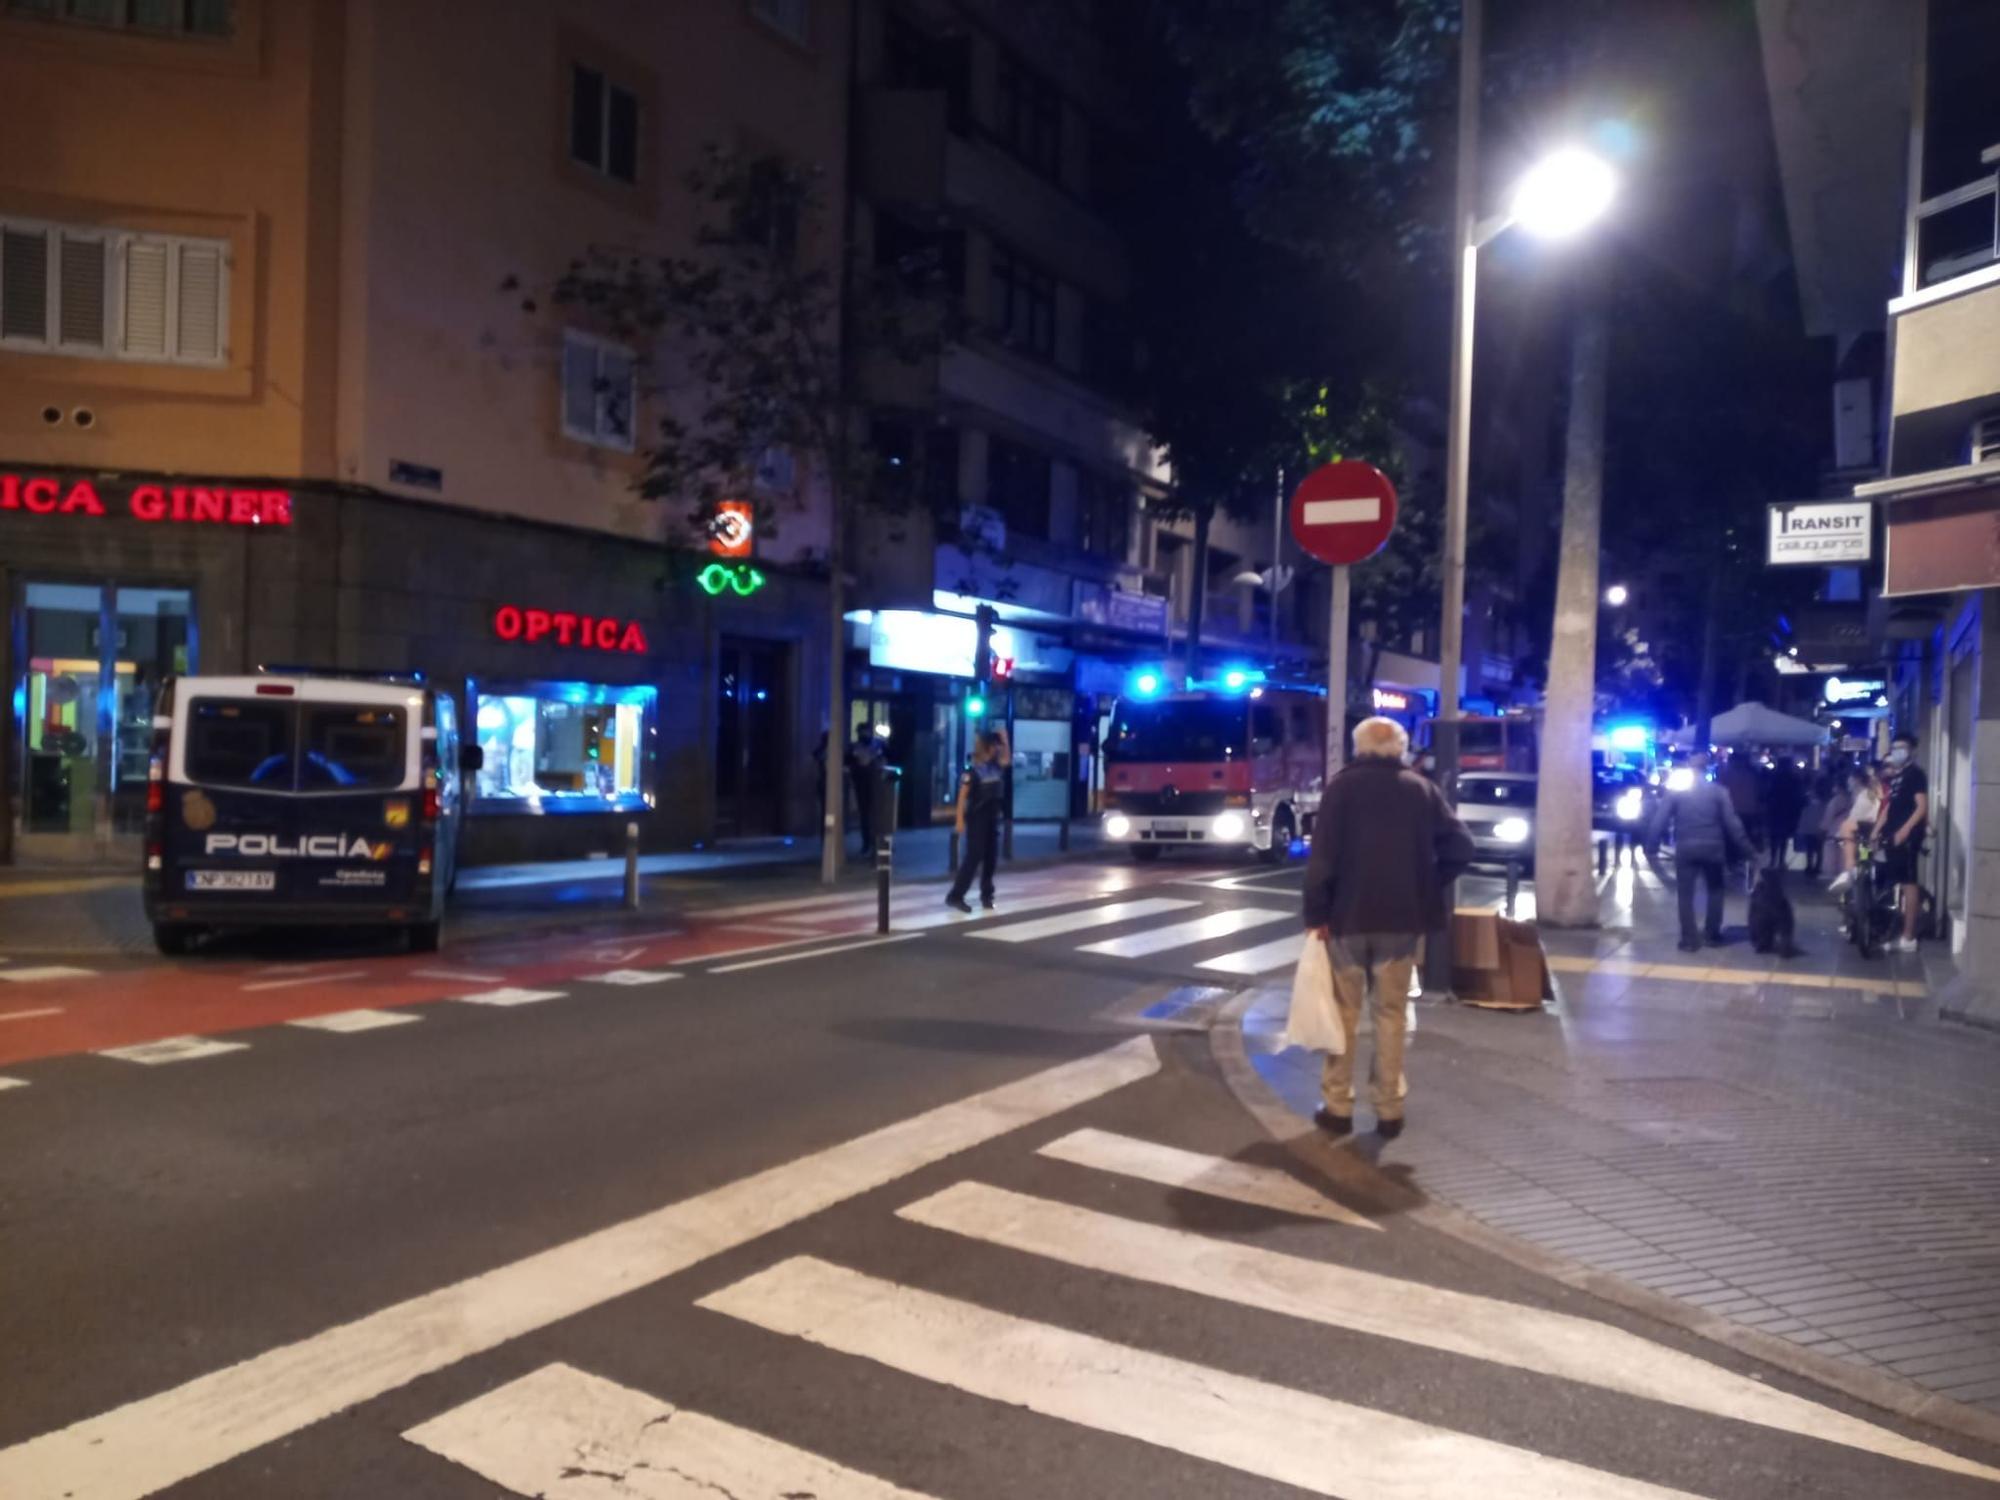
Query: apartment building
x: 280, y: 382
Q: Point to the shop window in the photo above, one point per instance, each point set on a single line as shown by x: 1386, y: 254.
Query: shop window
x: 113, y: 293
x: 190, y: 18
x: 599, y: 393
x: 554, y: 747
x: 603, y: 125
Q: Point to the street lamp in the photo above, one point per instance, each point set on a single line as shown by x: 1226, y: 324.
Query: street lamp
x: 1617, y: 595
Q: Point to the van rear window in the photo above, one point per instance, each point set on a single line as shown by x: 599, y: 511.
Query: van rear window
x: 233, y: 742
x: 350, y: 748
x: 295, y: 747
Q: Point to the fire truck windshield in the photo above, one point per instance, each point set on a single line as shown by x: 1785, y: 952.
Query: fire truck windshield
x: 1179, y: 729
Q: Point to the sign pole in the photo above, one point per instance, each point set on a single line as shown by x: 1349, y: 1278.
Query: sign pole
x: 1336, y: 671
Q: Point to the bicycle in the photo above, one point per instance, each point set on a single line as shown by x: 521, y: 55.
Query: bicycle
x: 1868, y: 905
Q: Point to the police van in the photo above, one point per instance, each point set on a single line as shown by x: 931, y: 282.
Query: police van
x: 299, y: 796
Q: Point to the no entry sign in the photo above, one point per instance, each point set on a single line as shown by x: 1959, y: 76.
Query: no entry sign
x: 1342, y: 513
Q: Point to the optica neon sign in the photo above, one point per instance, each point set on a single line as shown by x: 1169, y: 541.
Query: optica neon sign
x: 215, y: 504
x: 719, y: 576
x: 513, y: 622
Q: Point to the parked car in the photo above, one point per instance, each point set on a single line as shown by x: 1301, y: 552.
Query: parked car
x: 1498, y: 809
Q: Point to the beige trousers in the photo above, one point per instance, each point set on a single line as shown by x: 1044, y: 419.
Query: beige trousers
x: 1385, y: 962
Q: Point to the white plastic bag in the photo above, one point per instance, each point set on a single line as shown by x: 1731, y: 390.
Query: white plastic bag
x: 1314, y: 1022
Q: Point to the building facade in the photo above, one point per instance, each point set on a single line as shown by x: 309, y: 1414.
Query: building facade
x: 280, y: 383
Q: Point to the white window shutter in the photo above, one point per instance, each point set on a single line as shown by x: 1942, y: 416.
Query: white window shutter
x: 145, y: 329
x: 81, y: 297
x: 200, y: 323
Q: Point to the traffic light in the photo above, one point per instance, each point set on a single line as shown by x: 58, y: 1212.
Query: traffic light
x: 975, y: 706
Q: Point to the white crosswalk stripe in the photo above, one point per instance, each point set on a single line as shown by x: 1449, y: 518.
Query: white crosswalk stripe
x: 511, y: 996
x: 355, y: 1020
x: 1279, y: 953
x: 631, y: 977
x: 173, y: 1049
x: 1506, y: 1333
x: 13, y: 1083
x: 1263, y: 1187
x: 1220, y: 924
x: 1323, y: 1446
x: 41, y: 973
x: 562, y: 1434
x: 1077, y: 921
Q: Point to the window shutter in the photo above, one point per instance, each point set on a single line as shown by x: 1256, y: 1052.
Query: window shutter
x: 81, y: 301
x: 200, y: 322
x: 24, y: 284
x: 579, y: 389
x: 145, y: 330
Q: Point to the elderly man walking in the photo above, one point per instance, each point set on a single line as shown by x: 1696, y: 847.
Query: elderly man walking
x: 1385, y: 845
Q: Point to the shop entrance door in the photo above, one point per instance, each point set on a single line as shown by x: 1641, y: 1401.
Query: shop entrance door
x: 89, y: 661
x: 753, y: 721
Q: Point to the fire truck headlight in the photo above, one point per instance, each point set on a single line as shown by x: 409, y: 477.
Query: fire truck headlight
x: 1229, y: 826
x: 1118, y: 826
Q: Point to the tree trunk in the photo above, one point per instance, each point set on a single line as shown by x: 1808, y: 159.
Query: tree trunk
x: 1565, y: 884
x: 1198, y: 590
x: 833, y: 838
x: 1711, y: 649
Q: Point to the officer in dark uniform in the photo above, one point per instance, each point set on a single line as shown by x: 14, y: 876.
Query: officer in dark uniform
x: 982, y: 792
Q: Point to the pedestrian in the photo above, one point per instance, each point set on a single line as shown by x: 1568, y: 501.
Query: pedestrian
x: 1784, y: 801
x: 1864, y: 811
x: 1385, y: 845
x: 864, y: 758
x: 1738, y: 777
x: 1906, y: 814
x: 1707, y: 833
x: 1839, y: 804
x: 1809, y: 841
x: 981, y: 791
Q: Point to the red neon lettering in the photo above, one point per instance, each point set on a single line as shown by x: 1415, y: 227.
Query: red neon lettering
x: 565, y: 627
x: 538, y: 624
x: 243, y: 507
x: 10, y: 491
x: 148, y: 503
x: 607, y: 635
x: 178, y: 512
x: 277, y: 508
x: 83, y: 497
x: 507, y: 623
x: 634, y: 639
x: 39, y: 495
x: 211, y: 505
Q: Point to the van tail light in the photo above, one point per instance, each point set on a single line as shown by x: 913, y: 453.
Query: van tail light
x: 153, y: 852
x: 432, y: 806
x: 156, y: 798
x: 424, y: 861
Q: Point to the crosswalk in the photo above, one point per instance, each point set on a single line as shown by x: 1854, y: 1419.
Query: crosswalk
x: 890, y: 1295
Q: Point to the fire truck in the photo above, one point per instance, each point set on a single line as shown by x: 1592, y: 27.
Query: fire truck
x: 1235, y: 768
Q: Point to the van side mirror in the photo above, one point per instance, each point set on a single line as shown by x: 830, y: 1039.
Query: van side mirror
x: 471, y: 759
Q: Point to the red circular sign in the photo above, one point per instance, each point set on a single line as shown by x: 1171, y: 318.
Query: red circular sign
x: 1344, y: 512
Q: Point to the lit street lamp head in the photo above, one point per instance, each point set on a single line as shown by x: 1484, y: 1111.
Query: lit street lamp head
x: 1564, y: 193
x: 1616, y: 595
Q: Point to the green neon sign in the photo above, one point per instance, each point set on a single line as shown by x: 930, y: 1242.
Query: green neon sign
x: 741, y: 577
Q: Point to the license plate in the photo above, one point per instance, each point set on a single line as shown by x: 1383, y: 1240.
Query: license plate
x: 232, y: 880
x: 1170, y: 830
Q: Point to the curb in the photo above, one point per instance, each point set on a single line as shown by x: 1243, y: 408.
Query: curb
x: 1891, y: 1393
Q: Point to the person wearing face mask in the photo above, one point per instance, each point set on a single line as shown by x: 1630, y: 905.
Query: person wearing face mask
x: 1905, y: 819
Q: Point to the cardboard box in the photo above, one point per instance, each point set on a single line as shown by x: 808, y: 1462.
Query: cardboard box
x: 1496, y: 962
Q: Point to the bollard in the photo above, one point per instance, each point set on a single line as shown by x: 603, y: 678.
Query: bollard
x: 1062, y: 837
x: 631, y: 867
x: 1513, y: 885
x: 885, y: 862
x: 1603, y: 854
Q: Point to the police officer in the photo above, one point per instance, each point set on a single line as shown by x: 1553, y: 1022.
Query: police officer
x: 982, y: 791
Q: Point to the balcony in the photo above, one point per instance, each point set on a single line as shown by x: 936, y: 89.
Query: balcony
x: 1947, y: 325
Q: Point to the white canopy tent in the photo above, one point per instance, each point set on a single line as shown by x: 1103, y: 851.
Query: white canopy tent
x: 1754, y: 724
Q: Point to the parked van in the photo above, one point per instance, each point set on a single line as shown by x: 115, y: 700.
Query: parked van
x: 302, y: 797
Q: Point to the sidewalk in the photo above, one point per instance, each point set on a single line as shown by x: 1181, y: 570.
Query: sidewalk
x: 73, y: 912
x: 1803, y: 1149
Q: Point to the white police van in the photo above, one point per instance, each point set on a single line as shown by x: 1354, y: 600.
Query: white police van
x: 301, y: 796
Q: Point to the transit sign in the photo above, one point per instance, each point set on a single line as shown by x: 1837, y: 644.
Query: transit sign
x: 1841, y: 531
x: 1343, y: 512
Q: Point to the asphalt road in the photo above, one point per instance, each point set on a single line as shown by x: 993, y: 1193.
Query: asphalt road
x: 950, y: 1215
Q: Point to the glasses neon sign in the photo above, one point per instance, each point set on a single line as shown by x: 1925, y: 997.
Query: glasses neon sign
x: 200, y: 504
x: 511, y: 622
x: 743, y: 578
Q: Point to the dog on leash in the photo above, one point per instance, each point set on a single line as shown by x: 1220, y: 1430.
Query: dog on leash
x: 1773, y: 924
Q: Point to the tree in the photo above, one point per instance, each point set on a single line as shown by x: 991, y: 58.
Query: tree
x: 745, y: 339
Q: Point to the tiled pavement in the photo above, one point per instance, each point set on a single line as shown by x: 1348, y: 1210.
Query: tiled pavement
x: 1819, y: 1161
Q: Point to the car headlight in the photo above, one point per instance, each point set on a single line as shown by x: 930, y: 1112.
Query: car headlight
x: 1631, y: 805
x: 1117, y: 826
x: 1229, y: 825
x: 1680, y: 779
x: 1512, y: 830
